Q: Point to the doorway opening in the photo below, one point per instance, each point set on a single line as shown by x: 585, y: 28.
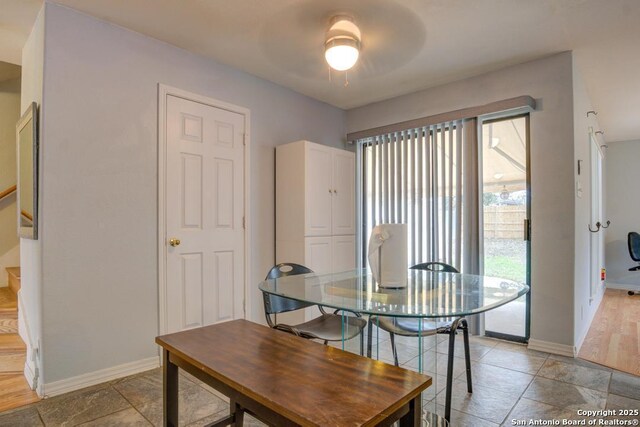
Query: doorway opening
x: 15, y: 390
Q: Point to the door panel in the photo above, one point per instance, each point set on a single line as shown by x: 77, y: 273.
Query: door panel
x: 191, y: 209
x: 318, y: 254
x: 506, y: 202
x: 343, y: 253
x: 204, y: 209
x: 344, y: 194
x: 318, y: 195
x: 191, y: 283
x: 223, y: 193
x: 224, y: 278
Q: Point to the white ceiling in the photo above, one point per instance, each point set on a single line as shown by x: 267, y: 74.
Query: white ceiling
x: 407, y: 44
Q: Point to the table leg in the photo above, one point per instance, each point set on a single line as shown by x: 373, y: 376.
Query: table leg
x: 169, y: 390
x: 467, y: 353
x: 413, y: 417
x: 452, y: 347
x: 369, y: 337
x: 237, y: 412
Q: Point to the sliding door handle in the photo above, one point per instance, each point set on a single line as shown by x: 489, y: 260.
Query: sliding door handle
x: 527, y: 229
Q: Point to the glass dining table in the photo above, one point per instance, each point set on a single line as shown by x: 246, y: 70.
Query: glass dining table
x: 432, y: 302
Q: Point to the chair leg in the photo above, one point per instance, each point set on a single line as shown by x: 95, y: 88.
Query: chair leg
x: 369, y: 337
x: 393, y: 348
x: 452, y: 342
x: 467, y: 353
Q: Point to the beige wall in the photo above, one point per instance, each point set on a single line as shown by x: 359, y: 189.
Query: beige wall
x: 9, y: 115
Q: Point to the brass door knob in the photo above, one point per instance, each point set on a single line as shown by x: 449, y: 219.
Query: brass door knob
x: 174, y: 242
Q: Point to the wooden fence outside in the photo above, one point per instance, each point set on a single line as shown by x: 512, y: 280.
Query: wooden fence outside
x: 504, y: 221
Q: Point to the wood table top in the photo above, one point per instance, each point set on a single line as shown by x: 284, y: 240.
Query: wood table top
x: 309, y: 383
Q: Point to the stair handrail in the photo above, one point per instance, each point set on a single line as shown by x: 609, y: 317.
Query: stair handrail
x: 9, y: 191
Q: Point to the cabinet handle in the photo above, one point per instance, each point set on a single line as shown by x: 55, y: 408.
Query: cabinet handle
x: 335, y: 191
x: 330, y: 191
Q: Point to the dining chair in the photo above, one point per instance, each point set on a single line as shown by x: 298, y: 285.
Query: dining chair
x: 412, y: 327
x: 633, y: 242
x: 327, y: 327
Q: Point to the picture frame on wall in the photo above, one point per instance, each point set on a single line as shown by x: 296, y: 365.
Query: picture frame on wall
x: 27, y: 167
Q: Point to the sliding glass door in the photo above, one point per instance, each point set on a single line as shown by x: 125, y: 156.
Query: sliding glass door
x: 428, y: 178
x: 505, y: 219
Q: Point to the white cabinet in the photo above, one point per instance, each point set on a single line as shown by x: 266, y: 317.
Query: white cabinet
x: 329, y: 191
x: 315, y: 206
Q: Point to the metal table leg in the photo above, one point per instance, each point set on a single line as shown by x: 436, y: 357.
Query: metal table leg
x: 452, y: 345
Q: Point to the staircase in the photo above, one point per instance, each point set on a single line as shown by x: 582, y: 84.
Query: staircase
x: 14, y: 390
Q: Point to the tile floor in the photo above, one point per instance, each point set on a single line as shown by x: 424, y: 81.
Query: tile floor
x: 510, y: 383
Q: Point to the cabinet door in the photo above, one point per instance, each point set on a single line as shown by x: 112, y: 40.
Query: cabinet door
x: 343, y: 253
x: 318, y: 254
x: 318, y: 195
x: 344, y: 197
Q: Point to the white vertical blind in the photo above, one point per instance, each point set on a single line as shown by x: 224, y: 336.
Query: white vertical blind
x: 424, y: 177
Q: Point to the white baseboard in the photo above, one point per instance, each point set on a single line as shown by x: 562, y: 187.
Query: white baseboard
x: 30, y: 374
x: 23, y: 325
x: 92, y: 378
x: 552, y: 347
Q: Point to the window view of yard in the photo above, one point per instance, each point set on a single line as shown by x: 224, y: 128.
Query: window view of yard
x: 505, y: 251
x: 505, y: 256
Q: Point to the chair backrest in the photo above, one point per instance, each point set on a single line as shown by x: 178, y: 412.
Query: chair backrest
x: 633, y: 239
x: 435, y: 266
x: 274, y: 304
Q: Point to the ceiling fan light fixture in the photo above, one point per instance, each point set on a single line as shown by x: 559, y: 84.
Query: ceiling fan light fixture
x: 342, y: 43
x: 342, y: 53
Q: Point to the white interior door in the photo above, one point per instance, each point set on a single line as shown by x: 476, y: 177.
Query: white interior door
x: 204, y: 211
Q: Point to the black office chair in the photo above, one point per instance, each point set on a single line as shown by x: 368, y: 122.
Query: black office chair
x: 633, y: 241
x: 327, y: 327
x: 411, y: 327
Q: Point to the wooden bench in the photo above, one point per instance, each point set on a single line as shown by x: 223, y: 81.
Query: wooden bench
x: 285, y: 380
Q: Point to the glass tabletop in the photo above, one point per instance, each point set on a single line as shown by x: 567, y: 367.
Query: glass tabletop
x: 427, y: 295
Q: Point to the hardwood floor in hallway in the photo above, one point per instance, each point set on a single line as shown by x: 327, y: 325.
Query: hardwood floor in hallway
x: 613, y: 339
x: 15, y: 392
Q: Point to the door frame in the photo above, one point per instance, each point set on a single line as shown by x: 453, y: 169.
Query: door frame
x: 596, y: 180
x: 491, y: 118
x: 163, y: 92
